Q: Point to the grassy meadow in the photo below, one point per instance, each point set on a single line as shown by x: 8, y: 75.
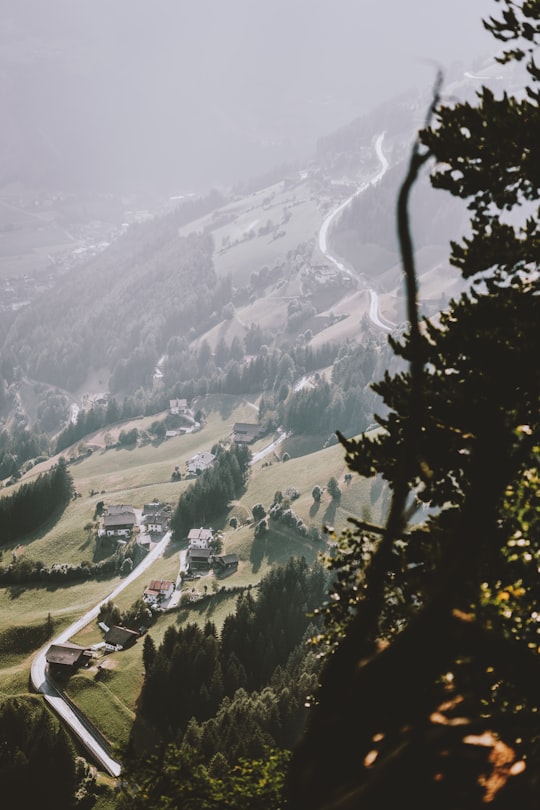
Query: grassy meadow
x: 261, y: 229
x: 289, y: 210
x: 108, y: 696
x: 30, y: 615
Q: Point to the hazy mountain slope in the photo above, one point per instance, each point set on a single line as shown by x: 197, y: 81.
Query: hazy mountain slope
x: 165, y: 278
x: 217, y: 265
x: 118, y: 305
x: 181, y: 95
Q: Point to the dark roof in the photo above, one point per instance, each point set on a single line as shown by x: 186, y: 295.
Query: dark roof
x: 227, y: 560
x: 125, y: 519
x: 66, y: 654
x: 157, y: 517
x: 198, y: 553
x: 120, y: 509
x: 246, y: 427
x: 151, y: 508
x: 246, y: 431
x: 120, y: 635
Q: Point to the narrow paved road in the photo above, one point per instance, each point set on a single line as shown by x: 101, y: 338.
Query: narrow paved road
x: 42, y: 683
x: 90, y: 738
x: 325, y: 228
x: 269, y: 447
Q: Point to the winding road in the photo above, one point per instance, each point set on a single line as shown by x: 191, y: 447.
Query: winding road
x: 41, y: 682
x: 89, y: 736
x: 269, y: 447
x: 325, y: 228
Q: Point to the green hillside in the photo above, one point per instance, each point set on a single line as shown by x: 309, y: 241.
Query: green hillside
x: 208, y: 269
x: 143, y: 473
x: 227, y: 293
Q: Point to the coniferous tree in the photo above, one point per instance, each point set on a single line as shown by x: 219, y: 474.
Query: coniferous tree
x: 37, y: 761
x: 430, y: 693
x: 35, y: 502
x: 149, y: 652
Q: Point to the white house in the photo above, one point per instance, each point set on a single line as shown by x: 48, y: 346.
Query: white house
x: 156, y: 517
x: 157, y: 523
x: 200, y: 462
x: 199, y: 538
x: 158, y: 591
x: 119, y: 524
x: 177, y: 406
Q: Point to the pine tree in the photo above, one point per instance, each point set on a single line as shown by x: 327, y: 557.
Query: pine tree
x: 430, y: 694
x: 149, y: 653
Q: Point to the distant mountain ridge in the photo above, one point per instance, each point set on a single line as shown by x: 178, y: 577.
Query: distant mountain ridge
x: 237, y: 271
x: 128, y: 97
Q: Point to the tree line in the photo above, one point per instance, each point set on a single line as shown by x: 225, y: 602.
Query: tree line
x: 428, y: 691
x: 432, y: 680
x: 208, y: 687
x: 38, y: 761
x: 35, y: 502
x: 18, y: 446
x: 94, y: 418
x: 90, y: 321
x: 346, y: 400
x: 210, y: 493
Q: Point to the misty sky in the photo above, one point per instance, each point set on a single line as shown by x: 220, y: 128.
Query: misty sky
x: 178, y: 96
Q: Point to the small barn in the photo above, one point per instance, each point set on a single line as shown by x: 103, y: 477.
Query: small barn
x: 118, y: 638
x: 246, y: 432
x: 198, y: 559
x: 225, y: 563
x: 67, y: 656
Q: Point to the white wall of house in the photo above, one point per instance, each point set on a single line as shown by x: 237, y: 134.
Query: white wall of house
x: 198, y: 543
x: 118, y: 532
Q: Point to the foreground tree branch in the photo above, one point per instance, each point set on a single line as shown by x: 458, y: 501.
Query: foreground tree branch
x: 463, y: 434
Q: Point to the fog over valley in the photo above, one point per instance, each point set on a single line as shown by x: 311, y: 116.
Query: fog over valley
x: 269, y: 397
x: 179, y: 96
x: 237, y: 138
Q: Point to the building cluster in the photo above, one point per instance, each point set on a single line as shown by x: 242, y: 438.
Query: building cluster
x: 181, y: 407
x: 156, y: 517
x: 201, y: 557
x: 119, y: 520
x: 67, y: 657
